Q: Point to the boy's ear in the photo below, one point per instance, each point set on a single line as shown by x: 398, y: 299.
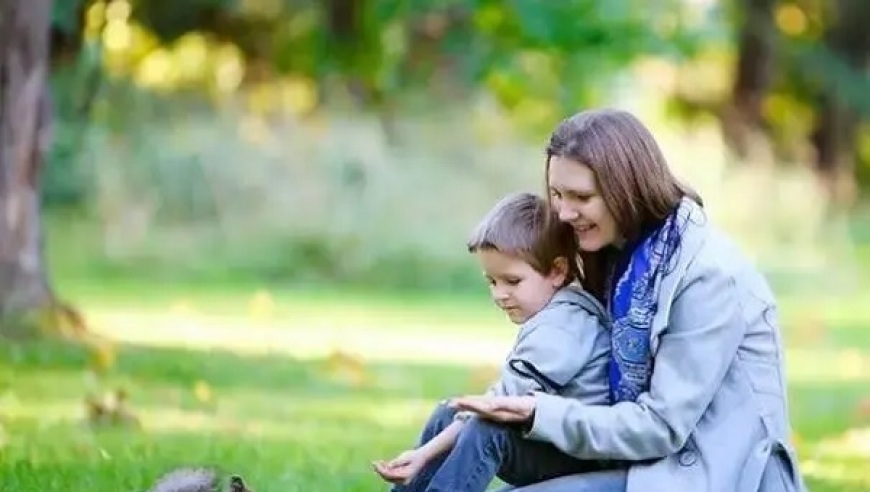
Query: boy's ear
x: 560, y: 271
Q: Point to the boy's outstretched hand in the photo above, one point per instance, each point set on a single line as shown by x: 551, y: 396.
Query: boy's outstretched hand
x: 403, y: 468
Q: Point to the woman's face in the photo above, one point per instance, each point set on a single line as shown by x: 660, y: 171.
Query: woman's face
x: 576, y: 198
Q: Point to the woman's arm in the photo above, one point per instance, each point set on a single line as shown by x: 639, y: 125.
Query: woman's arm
x: 695, y: 351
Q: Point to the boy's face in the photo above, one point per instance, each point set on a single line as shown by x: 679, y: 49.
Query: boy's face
x: 517, y: 288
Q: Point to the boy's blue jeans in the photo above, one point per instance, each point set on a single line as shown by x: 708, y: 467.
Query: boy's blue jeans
x: 485, y: 450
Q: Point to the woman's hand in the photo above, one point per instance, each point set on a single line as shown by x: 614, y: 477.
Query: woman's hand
x: 507, y: 409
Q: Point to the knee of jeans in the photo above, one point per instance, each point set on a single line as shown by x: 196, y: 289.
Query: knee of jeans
x: 443, y: 413
x: 482, y: 426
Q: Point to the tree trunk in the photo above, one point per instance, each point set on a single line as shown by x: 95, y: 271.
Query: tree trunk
x: 25, y: 127
x: 743, y: 122
x: 835, y: 135
x: 835, y: 138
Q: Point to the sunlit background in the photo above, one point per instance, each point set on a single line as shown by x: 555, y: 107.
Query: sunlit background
x: 259, y: 208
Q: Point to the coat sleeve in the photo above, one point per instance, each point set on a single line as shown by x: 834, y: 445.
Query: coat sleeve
x: 551, y: 355
x: 547, y: 356
x: 696, y: 348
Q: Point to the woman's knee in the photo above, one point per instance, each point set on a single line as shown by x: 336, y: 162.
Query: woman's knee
x: 600, y: 481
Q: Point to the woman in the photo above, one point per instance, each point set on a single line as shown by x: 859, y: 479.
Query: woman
x: 697, y: 374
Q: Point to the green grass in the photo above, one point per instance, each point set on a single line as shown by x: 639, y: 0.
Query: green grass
x: 288, y: 416
x: 283, y: 423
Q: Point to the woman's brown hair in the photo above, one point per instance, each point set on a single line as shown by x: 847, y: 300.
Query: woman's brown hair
x: 632, y: 174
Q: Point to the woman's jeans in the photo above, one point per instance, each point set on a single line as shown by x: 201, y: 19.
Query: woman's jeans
x: 486, y: 449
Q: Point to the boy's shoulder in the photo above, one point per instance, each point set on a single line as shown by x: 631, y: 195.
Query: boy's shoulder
x: 574, y: 297
x: 569, y: 306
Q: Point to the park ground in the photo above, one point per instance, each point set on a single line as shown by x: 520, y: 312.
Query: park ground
x: 299, y: 389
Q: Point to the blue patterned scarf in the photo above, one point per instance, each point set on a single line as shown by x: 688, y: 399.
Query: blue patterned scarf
x: 634, y: 304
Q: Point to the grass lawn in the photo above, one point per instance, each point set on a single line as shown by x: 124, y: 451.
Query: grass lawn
x: 300, y: 390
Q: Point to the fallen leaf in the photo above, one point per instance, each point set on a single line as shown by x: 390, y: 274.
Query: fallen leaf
x: 182, y: 307
x: 796, y: 440
x: 103, y: 357
x: 852, y: 364
x: 202, y: 391
x: 261, y: 305
x: 811, y: 331
x: 349, y: 368
x: 863, y: 410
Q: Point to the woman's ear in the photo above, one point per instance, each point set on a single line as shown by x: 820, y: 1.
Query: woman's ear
x: 559, y: 272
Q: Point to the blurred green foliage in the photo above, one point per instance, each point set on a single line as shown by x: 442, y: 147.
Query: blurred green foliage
x: 222, y: 139
x: 537, y: 58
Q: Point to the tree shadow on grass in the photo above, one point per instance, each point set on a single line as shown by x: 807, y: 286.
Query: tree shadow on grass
x: 225, y: 370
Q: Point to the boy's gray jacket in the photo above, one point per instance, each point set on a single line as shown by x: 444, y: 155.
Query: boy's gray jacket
x: 715, y: 418
x: 563, y: 349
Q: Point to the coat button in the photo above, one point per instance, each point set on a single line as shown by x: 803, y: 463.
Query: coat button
x: 688, y: 458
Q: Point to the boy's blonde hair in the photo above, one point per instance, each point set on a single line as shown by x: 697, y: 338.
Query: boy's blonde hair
x: 523, y: 225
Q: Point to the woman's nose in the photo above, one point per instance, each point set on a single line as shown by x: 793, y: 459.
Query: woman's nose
x: 566, y: 214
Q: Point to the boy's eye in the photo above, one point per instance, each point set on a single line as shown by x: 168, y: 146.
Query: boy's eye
x: 512, y: 281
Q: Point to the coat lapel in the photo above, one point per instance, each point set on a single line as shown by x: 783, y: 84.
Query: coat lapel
x: 692, y: 240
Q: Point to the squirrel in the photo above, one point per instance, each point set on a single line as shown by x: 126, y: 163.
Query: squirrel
x: 197, y: 480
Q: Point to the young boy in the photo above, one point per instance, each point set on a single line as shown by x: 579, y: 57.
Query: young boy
x: 527, y: 256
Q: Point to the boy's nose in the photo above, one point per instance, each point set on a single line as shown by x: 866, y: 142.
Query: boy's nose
x: 499, y: 294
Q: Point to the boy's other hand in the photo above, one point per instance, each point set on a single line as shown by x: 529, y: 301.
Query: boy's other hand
x: 401, y: 469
